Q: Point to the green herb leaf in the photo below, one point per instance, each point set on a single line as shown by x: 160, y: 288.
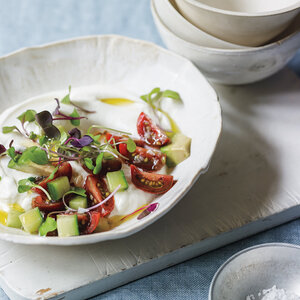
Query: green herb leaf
x: 66, y: 99
x: 8, y: 129
x: 27, y: 116
x: 89, y: 163
x: 11, y: 152
x: 171, y: 94
x: 75, y: 114
x: 48, y: 226
x: 131, y: 146
x: 35, y: 155
x: 98, y: 166
x: 24, y: 185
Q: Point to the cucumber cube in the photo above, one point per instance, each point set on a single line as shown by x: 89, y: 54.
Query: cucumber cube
x: 67, y: 225
x: 58, y: 187
x: 115, y: 178
x: 13, y: 219
x: 31, y: 220
x: 78, y: 201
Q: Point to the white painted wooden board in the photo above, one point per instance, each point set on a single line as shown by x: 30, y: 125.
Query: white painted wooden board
x: 252, y: 184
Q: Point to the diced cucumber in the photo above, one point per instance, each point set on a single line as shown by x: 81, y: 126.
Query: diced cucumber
x: 116, y: 178
x: 31, y: 220
x: 58, y: 187
x: 78, y: 201
x: 13, y: 219
x: 67, y: 225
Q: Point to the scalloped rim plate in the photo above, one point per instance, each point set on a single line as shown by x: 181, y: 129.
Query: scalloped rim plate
x: 137, y: 66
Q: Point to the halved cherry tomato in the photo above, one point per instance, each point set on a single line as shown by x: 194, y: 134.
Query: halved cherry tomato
x: 97, y: 191
x: 150, y: 182
x: 150, y: 132
x: 146, y: 159
x: 93, y: 222
x: 65, y: 169
x: 46, y: 205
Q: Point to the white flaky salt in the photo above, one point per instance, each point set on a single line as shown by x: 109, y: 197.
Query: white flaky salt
x: 274, y: 294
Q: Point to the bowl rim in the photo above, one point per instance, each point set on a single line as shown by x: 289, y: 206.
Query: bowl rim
x: 244, y: 51
x: 287, y: 9
x: 239, y: 253
x: 171, y: 7
x: 28, y: 239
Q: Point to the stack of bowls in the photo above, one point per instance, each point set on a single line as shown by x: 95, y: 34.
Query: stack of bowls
x: 232, y: 41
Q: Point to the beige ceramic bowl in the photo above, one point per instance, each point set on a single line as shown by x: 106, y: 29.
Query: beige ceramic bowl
x: 167, y: 12
x: 239, y: 66
x: 243, y: 22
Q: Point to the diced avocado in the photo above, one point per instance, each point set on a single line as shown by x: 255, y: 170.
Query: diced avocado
x: 58, y: 187
x: 78, y: 201
x: 178, y: 150
x: 31, y: 220
x: 115, y: 178
x: 13, y: 219
x: 67, y: 225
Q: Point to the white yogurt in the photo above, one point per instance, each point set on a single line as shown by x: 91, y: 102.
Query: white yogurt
x: 117, y: 117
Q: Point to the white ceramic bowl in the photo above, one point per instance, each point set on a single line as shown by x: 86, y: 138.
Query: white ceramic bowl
x: 167, y: 12
x: 255, y: 269
x: 235, y: 66
x: 136, y: 66
x: 243, y: 22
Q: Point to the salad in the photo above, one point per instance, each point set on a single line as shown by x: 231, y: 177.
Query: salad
x: 82, y: 180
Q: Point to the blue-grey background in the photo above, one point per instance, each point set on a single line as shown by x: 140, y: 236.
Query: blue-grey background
x: 26, y: 23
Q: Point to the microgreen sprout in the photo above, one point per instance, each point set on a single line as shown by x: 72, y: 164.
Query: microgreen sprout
x: 154, y: 99
x: 106, y: 128
x: 47, y: 226
x: 67, y: 100
x: 27, y: 116
x: 24, y: 185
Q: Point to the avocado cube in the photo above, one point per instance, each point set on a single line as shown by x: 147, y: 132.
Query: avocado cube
x: 178, y: 150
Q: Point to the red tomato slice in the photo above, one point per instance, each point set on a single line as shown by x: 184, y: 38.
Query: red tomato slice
x: 97, y: 191
x: 150, y: 182
x: 146, y: 159
x: 65, y: 169
x: 150, y: 132
x: 45, y: 205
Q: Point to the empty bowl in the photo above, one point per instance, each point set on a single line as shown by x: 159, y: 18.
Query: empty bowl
x: 248, y: 273
x: 235, y: 66
x: 243, y: 22
x: 186, y: 30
